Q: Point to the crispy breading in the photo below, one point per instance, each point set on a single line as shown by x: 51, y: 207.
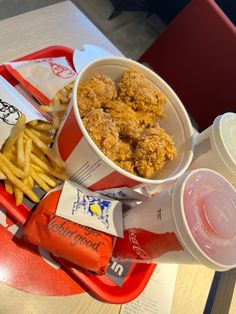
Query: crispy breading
x: 153, y: 150
x: 135, y: 90
x: 124, y: 157
x: 95, y: 92
x: 126, y: 119
x: 103, y: 132
x: 125, y: 151
x: 127, y: 165
x: 124, y: 125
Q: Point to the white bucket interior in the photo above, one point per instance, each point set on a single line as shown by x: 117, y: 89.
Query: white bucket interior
x: 176, y: 124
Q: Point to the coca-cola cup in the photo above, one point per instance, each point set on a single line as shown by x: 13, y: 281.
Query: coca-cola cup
x: 193, y: 222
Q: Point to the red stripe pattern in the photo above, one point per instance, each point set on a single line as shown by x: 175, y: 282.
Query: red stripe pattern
x: 69, y: 136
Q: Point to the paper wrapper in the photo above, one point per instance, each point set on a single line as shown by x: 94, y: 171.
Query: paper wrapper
x: 43, y: 77
x: 81, y: 245
x: 12, y: 105
x: 90, y: 209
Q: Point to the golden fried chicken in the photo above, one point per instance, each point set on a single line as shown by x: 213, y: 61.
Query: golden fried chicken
x: 95, y: 92
x: 124, y: 157
x: 125, y: 151
x: 146, y: 119
x: 125, y: 118
x: 153, y: 150
x: 103, y: 132
x: 135, y: 90
x: 127, y: 165
x: 123, y: 125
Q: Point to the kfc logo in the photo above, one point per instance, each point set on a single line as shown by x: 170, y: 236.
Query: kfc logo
x: 9, y: 113
x: 59, y: 70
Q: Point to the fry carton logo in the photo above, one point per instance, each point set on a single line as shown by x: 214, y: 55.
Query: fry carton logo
x: 9, y: 113
x: 117, y: 195
x: 91, y: 209
x: 57, y: 69
x: 93, y: 206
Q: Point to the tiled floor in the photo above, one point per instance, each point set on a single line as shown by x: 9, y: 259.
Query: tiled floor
x: 131, y: 32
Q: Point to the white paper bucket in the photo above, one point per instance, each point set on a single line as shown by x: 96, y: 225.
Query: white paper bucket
x: 88, y: 166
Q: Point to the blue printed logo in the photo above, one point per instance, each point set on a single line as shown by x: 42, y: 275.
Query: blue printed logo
x: 116, y: 195
x: 93, y: 206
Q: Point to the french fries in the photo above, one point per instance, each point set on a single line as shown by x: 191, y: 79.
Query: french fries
x: 59, y: 104
x: 20, y: 151
x: 16, y: 132
x: 18, y: 195
x: 2, y: 176
x: 17, y: 182
x: 27, y: 161
x: 28, y: 148
x: 14, y: 169
x: 9, y: 187
x: 42, y: 136
x: 48, y: 179
x: 41, y: 183
x: 43, y: 147
x: 53, y: 108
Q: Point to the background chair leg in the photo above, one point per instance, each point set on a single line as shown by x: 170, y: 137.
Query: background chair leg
x: 118, y: 9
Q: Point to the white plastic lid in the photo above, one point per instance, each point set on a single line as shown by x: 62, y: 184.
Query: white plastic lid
x: 206, y: 217
x: 224, y: 134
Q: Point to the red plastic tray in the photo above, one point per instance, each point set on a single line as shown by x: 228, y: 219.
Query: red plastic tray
x: 101, y: 286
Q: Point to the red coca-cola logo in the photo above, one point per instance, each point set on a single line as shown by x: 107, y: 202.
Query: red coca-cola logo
x: 140, y: 244
x: 28, y: 268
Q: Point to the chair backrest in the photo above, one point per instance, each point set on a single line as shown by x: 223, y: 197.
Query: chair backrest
x: 196, y: 55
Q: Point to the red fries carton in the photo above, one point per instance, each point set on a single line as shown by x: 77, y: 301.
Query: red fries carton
x: 81, y: 245
x: 43, y: 77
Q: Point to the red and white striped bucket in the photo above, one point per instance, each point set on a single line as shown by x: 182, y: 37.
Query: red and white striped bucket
x: 88, y: 166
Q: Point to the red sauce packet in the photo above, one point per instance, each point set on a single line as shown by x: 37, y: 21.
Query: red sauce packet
x: 81, y: 245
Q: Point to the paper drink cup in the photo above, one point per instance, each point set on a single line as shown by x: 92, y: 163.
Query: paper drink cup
x: 193, y: 223
x: 215, y: 148
x: 88, y: 166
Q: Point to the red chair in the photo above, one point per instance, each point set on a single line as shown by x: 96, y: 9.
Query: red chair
x: 196, y: 55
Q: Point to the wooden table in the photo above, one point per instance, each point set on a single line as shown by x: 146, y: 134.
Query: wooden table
x: 63, y: 24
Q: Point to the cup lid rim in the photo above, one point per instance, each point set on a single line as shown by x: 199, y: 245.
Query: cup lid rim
x: 181, y: 223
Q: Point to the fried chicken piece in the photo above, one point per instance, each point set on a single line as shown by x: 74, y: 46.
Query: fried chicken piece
x: 124, y: 157
x: 135, y: 90
x: 153, y: 150
x: 125, y: 118
x: 147, y: 119
x: 95, y: 92
x: 103, y: 132
x: 125, y: 151
x: 127, y: 165
x: 124, y: 127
